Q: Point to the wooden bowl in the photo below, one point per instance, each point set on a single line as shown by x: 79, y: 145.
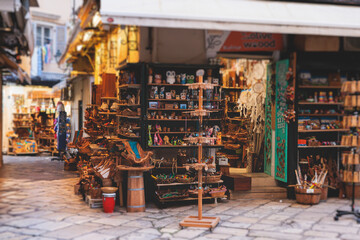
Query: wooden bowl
x: 109, y: 189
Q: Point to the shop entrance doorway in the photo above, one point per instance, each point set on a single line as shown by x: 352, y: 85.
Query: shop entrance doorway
x: 244, y: 94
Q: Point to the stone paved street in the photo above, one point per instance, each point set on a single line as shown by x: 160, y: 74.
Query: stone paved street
x: 37, y: 202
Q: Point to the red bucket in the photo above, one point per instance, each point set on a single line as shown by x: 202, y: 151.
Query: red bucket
x: 109, y: 202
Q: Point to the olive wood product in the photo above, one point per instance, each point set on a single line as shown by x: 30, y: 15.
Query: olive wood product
x: 129, y: 155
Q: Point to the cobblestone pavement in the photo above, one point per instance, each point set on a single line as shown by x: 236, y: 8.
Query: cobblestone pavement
x: 37, y: 202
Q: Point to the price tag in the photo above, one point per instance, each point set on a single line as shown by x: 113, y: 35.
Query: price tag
x: 309, y: 190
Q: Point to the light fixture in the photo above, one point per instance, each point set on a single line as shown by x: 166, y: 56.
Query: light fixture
x: 88, y: 35
x: 79, y: 47
x: 96, y: 19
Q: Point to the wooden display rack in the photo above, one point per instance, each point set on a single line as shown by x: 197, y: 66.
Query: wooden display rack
x: 200, y: 221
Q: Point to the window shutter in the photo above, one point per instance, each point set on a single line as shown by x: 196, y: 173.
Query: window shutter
x: 60, y: 39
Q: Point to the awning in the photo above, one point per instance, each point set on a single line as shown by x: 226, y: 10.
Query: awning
x: 57, y: 87
x: 236, y: 15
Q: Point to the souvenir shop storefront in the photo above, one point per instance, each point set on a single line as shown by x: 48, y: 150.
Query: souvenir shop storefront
x: 238, y: 112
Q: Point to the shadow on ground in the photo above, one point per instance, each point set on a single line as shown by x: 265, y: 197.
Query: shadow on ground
x: 34, y: 168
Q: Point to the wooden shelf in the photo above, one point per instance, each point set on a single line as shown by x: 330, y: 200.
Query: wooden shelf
x: 191, y: 183
x: 325, y: 146
x: 233, y: 88
x: 22, y: 127
x: 108, y: 113
x: 164, y: 133
x: 131, y: 137
x: 319, y: 87
x: 324, y: 130
x: 133, y: 117
x: 130, y: 86
x: 181, y: 100
x: 320, y: 103
x: 186, y: 146
x: 21, y: 113
x: 129, y: 105
x: 108, y: 98
x: 172, y: 85
x: 320, y: 114
x: 167, y: 109
x: 184, y: 120
x: 185, y: 199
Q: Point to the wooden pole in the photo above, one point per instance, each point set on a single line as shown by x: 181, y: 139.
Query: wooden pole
x: 200, y: 153
x: 200, y: 194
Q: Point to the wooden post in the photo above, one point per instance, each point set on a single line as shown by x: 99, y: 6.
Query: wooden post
x: 200, y: 191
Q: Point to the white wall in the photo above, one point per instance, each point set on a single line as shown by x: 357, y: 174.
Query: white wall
x: 170, y: 45
x: 82, y: 91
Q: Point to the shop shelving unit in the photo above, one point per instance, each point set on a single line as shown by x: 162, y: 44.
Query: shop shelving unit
x: 321, y: 64
x: 22, y: 123
x: 178, y: 87
x: 137, y: 89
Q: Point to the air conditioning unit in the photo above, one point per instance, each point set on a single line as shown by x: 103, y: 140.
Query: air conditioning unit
x: 351, y: 44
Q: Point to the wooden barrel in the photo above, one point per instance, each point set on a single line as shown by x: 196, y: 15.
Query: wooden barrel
x: 136, y: 195
x: 308, y: 196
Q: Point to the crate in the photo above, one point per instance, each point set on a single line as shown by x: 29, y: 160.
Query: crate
x: 94, y: 203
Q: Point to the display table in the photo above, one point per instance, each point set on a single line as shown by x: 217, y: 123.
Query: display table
x: 135, y: 192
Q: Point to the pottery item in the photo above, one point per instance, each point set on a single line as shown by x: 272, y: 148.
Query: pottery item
x: 183, y: 78
x: 170, y: 77
x: 157, y: 78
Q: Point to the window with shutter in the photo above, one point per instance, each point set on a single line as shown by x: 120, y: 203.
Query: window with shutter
x: 60, y: 40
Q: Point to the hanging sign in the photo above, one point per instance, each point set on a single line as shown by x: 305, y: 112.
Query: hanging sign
x: 225, y: 41
x: 281, y: 127
x: 268, y: 130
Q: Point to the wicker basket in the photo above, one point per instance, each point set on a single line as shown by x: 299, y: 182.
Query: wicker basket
x: 212, y: 178
x: 181, y: 193
x: 218, y: 193
x: 106, y: 182
x: 165, y: 181
x: 184, y: 180
x: 324, y: 193
x: 308, y: 196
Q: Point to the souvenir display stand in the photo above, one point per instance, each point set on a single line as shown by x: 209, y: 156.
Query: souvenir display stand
x: 168, y: 124
x: 350, y: 173
x: 200, y: 221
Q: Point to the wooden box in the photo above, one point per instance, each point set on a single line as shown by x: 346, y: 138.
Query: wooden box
x: 317, y: 43
x: 237, y: 182
x: 169, y: 106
